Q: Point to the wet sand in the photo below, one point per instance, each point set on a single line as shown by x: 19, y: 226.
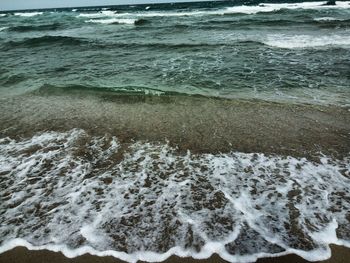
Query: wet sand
x: 23, y: 255
x: 198, y: 124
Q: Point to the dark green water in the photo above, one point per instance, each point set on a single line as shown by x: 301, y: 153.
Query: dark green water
x: 281, y: 52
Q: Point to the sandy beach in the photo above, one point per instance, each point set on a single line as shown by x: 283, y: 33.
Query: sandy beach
x: 22, y: 255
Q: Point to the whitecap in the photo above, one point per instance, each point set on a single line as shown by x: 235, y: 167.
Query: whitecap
x: 266, y: 7
x: 262, y: 8
x: 93, y: 15
x: 307, y: 41
x: 113, y: 21
x: 28, y: 14
x: 327, y: 19
x: 105, y: 13
x: 3, y: 28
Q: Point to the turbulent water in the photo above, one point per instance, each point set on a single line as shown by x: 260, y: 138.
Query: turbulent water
x: 296, y: 52
x: 75, y: 192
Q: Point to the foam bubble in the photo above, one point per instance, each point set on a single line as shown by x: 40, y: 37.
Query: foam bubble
x: 76, y: 193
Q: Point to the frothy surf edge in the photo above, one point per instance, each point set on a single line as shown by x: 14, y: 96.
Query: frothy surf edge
x: 148, y: 256
x: 156, y: 257
x: 319, y: 182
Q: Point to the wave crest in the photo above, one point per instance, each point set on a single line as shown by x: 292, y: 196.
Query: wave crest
x: 45, y: 40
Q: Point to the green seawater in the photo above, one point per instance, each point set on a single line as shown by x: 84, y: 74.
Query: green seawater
x: 282, y: 52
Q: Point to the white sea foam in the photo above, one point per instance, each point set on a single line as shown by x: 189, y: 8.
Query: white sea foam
x: 266, y: 7
x: 28, y: 14
x: 2, y: 15
x: 3, y: 28
x: 307, y: 41
x: 113, y: 21
x: 105, y: 13
x: 78, y: 194
x: 327, y: 19
x: 93, y: 15
x: 232, y: 10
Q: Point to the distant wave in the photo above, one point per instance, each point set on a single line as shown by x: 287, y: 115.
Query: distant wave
x: 105, y: 13
x: 3, y: 28
x: 275, y: 7
x: 45, y: 40
x: 307, y: 41
x: 28, y: 14
x: 244, y: 9
x: 27, y: 28
x: 114, y: 21
x: 327, y: 19
x: 330, y: 19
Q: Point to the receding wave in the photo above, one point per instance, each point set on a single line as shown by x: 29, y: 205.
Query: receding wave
x: 77, y: 193
x: 28, y: 28
x: 122, y: 90
x: 45, y: 40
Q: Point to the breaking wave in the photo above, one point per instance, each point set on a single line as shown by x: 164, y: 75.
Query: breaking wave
x: 307, y: 41
x: 114, y: 21
x: 76, y: 193
x: 28, y: 14
x: 243, y: 9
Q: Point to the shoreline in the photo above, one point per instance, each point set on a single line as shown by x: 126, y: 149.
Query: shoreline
x: 198, y: 124
x: 340, y: 254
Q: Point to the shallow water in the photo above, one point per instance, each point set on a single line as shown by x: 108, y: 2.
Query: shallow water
x: 74, y: 191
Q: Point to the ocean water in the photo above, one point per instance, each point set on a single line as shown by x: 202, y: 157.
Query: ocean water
x: 282, y: 52
x: 76, y: 192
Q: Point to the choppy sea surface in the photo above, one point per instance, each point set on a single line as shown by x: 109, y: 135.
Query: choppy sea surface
x: 286, y: 52
x: 76, y: 193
